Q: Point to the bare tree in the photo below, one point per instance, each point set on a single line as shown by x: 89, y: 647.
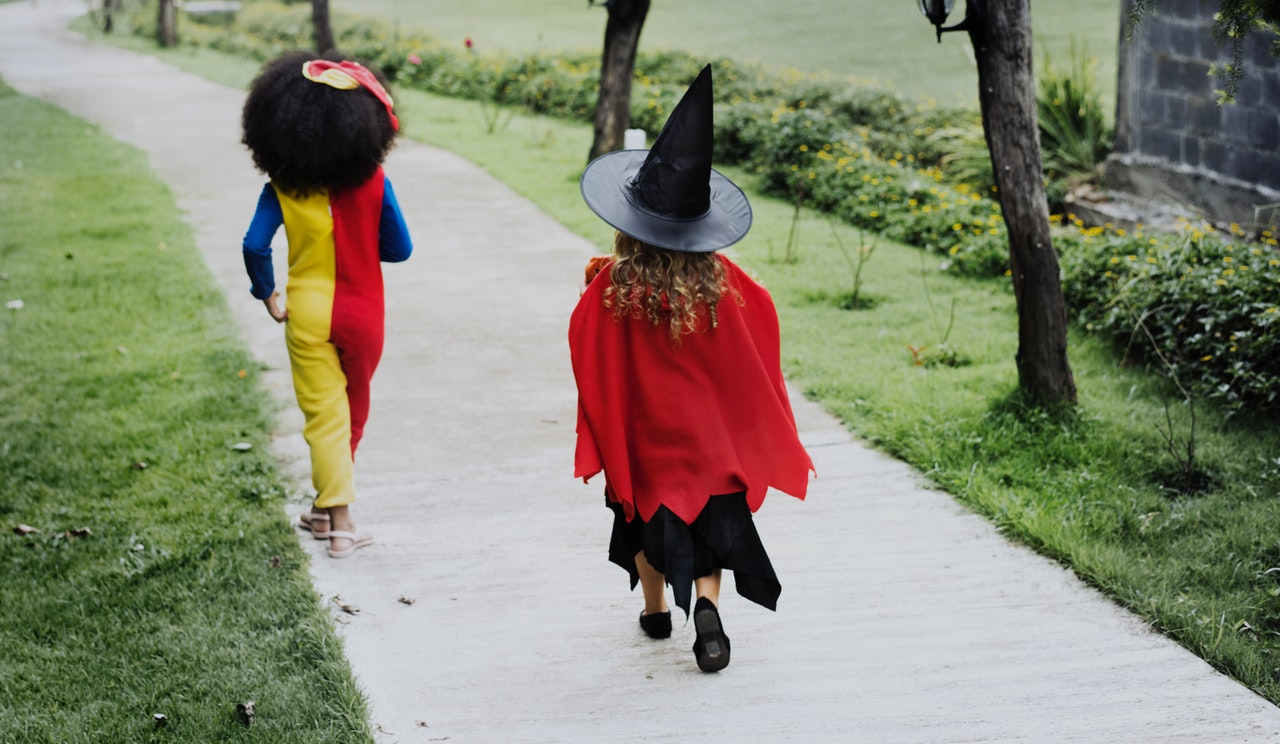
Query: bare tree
x: 1001, y: 34
x: 323, y: 28
x: 167, y: 24
x: 617, y: 67
x: 109, y: 8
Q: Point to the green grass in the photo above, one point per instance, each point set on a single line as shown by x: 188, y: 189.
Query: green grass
x: 887, y: 42
x: 121, y: 393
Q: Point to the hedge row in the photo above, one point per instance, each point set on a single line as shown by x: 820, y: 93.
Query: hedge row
x: 877, y: 160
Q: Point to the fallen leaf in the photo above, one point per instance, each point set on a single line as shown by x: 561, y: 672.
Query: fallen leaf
x: 381, y: 730
x: 275, y: 561
x: 140, y: 465
x: 160, y: 720
x: 138, y: 548
x: 406, y: 600
x: 24, y: 529
x: 78, y: 532
x: 15, y: 304
x: 245, y: 710
x: 242, y: 446
x: 422, y: 724
x: 350, y: 609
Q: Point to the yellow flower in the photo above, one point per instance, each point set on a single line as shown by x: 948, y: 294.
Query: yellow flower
x: 1206, y: 357
x: 1114, y: 260
x: 804, y: 148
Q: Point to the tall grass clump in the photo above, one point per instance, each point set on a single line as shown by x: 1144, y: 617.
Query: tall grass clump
x: 1075, y: 132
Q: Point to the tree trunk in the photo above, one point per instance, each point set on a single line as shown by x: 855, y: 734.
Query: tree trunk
x: 617, y: 67
x: 323, y: 29
x: 167, y: 24
x: 1006, y: 90
x: 108, y: 15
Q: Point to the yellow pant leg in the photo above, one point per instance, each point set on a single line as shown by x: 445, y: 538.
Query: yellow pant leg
x: 321, y: 388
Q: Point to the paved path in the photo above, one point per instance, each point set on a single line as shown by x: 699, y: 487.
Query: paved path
x: 903, y: 619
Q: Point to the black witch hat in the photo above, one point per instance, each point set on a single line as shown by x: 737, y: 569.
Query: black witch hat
x: 669, y: 196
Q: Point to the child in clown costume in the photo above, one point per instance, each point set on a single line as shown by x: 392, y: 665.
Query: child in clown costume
x: 681, y: 401
x: 320, y: 129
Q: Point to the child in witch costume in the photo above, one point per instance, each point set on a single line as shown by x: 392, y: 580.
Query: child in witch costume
x: 320, y: 129
x: 681, y: 400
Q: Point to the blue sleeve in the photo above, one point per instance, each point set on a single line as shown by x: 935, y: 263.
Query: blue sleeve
x: 394, y: 243
x: 257, y: 243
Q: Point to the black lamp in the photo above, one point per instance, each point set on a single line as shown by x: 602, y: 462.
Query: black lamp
x: 938, y: 10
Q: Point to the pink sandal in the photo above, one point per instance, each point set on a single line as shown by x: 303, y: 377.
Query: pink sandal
x: 316, y: 524
x: 358, y: 540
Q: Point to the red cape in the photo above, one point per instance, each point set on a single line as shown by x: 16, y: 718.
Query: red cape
x: 675, y: 425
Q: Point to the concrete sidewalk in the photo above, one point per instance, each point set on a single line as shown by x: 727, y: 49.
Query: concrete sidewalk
x: 903, y: 617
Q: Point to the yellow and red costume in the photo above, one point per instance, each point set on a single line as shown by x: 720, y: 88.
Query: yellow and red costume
x: 334, y: 333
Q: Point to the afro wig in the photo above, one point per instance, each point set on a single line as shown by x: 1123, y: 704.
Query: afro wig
x: 308, y: 136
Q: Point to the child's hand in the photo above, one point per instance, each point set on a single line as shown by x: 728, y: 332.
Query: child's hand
x: 273, y: 308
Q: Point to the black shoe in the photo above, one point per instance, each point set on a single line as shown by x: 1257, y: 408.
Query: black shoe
x: 656, y: 624
x: 711, y: 649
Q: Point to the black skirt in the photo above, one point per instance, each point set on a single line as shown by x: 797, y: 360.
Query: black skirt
x: 722, y: 536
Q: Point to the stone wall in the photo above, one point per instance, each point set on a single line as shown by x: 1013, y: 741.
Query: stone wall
x: 1174, y: 142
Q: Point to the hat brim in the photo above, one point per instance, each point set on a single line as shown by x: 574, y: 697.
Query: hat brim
x: 605, y: 189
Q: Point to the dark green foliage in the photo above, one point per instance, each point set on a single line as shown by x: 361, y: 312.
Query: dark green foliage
x: 1211, y: 304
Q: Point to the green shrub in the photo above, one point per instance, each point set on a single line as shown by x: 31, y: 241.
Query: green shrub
x: 1210, y: 303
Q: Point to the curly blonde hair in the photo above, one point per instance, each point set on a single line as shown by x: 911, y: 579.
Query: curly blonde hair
x: 674, y: 287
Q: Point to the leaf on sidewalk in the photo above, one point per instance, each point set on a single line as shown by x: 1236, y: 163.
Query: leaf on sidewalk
x: 350, y: 609
x: 406, y: 600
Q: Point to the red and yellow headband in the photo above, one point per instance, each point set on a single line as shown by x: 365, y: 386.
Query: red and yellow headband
x: 349, y: 76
